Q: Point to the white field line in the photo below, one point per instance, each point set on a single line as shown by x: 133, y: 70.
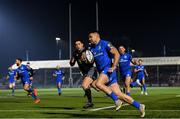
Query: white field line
x: 109, y: 107
x: 177, y: 95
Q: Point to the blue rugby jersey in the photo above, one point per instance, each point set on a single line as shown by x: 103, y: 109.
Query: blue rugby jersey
x: 59, y: 74
x: 141, y: 72
x: 23, y: 72
x: 11, y: 75
x: 125, y: 62
x: 101, y: 54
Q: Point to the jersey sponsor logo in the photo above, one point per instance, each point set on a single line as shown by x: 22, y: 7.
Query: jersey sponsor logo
x: 123, y: 60
x: 99, y: 54
x: 125, y: 56
x: 99, y: 48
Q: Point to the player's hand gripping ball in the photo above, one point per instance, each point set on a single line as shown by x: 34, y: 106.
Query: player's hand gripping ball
x: 87, y: 56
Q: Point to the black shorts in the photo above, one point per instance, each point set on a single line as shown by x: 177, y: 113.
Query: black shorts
x: 92, y: 73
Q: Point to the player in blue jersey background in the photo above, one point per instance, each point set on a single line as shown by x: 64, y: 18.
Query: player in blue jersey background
x: 11, y: 77
x: 140, y: 76
x: 59, y: 75
x: 104, y: 52
x: 125, y: 61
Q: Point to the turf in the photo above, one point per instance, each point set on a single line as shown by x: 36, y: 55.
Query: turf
x: 160, y: 103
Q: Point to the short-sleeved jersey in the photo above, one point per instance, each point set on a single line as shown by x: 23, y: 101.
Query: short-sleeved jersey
x: 101, y: 54
x: 30, y: 71
x: 11, y: 75
x: 23, y: 72
x: 125, y: 62
x: 59, y: 74
x: 141, y: 72
x: 83, y: 65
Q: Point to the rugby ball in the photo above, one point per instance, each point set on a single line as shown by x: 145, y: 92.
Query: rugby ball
x: 89, y: 56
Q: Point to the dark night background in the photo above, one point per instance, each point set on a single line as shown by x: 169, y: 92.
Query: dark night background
x: 32, y: 25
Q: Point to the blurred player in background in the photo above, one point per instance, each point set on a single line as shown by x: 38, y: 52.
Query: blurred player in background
x: 11, y: 77
x: 140, y: 77
x: 59, y: 75
x: 125, y: 61
x: 104, y: 52
x: 22, y: 72
x: 31, y: 74
x: 87, y: 69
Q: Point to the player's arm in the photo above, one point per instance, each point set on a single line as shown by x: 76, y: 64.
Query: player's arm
x: 16, y: 76
x: 63, y: 75
x: 116, y: 55
x: 145, y: 71
x: 7, y: 77
x: 54, y: 74
x: 133, y: 61
x: 72, y: 60
x: 136, y: 70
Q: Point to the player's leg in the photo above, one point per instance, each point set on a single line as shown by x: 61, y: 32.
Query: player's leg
x: 30, y: 86
x: 93, y: 85
x: 28, y: 89
x: 59, y: 88
x: 144, y: 86
x: 86, y: 87
x: 127, y: 84
x: 133, y: 84
x: 13, y: 88
x: 101, y: 84
x: 115, y: 88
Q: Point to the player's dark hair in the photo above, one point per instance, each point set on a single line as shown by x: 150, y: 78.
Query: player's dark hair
x: 122, y: 46
x: 94, y: 32
x: 140, y: 60
x: 19, y: 59
x: 79, y: 41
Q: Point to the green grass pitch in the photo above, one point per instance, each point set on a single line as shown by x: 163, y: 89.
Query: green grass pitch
x: 160, y: 103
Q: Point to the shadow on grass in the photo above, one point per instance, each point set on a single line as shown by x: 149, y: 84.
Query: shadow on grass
x: 90, y: 115
x: 67, y: 108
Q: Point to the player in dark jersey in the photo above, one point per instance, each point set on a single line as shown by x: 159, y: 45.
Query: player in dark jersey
x: 22, y: 72
x: 87, y: 69
x: 59, y: 75
x: 104, y: 52
x: 31, y: 78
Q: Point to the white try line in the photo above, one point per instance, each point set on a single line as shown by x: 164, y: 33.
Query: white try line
x: 177, y: 95
x: 109, y: 107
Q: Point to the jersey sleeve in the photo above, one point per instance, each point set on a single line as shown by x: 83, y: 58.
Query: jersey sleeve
x: 73, y: 58
x: 109, y: 46
x: 63, y: 73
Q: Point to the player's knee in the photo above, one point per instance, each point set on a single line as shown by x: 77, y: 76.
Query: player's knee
x: 84, y: 86
x: 26, y: 88
x: 98, y: 85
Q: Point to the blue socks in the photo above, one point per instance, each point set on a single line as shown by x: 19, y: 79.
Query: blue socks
x: 133, y: 84
x: 59, y: 90
x: 13, y: 90
x: 113, y: 96
x: 136, y: 104
x: 32, y: 93
x: 128, y: 93
x: 144, y: 87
